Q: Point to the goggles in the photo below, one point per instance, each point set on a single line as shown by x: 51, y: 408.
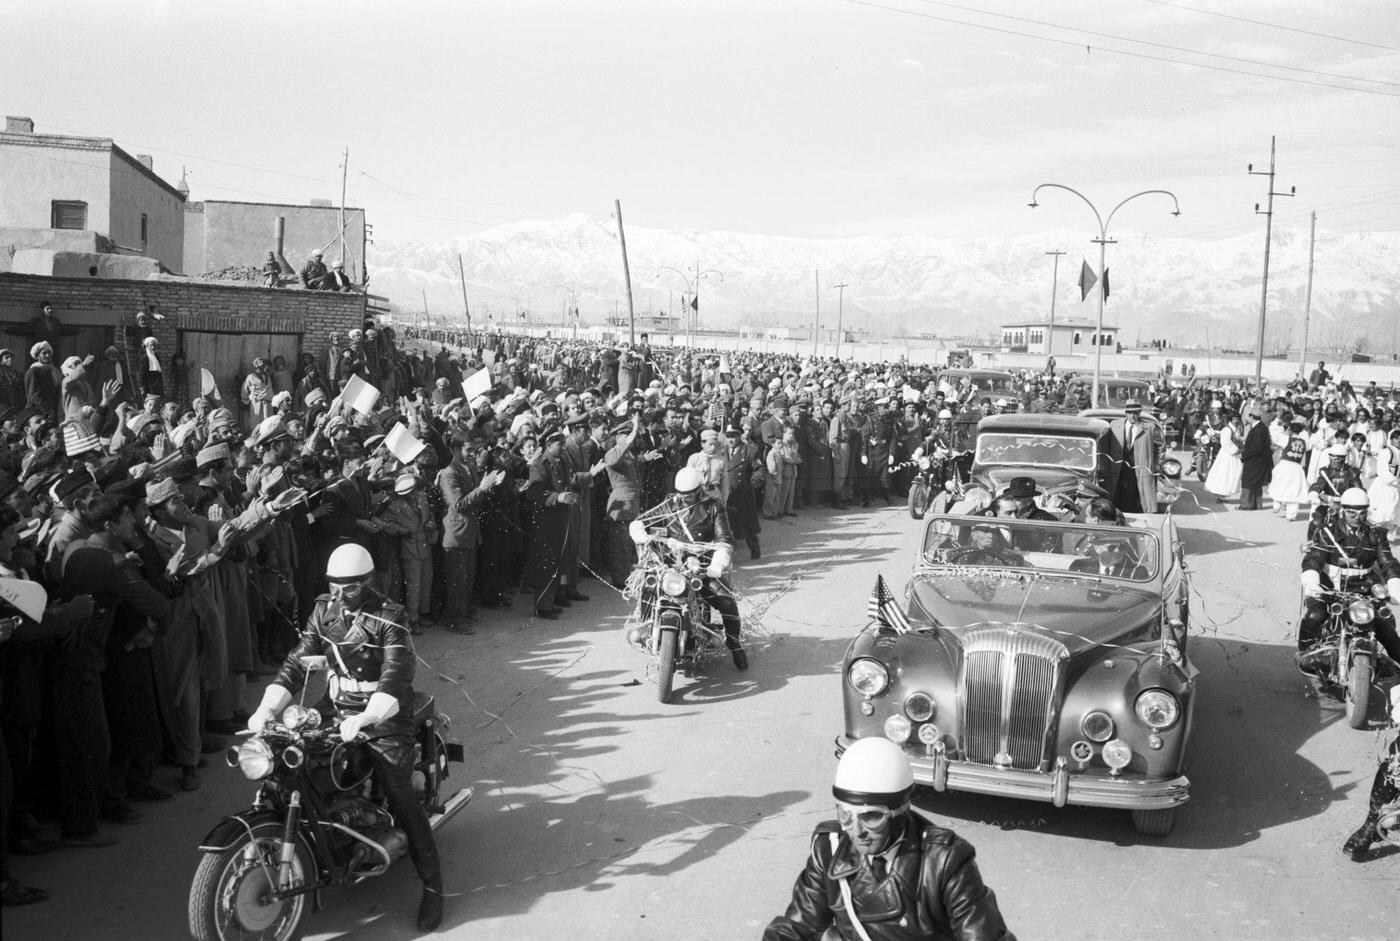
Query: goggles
x: 869, y: 816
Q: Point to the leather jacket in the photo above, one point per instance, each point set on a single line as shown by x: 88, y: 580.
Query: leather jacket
x: 368, y: 652
x: 933, y: 891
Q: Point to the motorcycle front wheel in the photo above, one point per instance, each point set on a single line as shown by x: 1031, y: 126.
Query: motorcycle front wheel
x: 231, y: 897
x: 918, y: 499
x: 1359, y: 692
x: 665, y: 664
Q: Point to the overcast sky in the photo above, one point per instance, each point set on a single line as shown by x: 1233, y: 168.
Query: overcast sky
x: 785, y: 117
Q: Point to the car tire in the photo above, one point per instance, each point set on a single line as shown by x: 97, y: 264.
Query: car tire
x: 1154, y: 822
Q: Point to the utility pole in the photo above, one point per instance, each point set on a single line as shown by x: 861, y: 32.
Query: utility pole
x: 344, y: 170
x: 1268, y: 215
x: 627, y: 276
x: 840, y: 312
x: 1054, y: 290
x: 1307, y: 308
x: 427, y: 317
x: 817, y: 322
x: 462, y: 273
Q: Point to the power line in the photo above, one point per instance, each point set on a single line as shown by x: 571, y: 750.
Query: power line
x: 1159, y: 45
x: 1290, y: 29
x: 1122, y: 52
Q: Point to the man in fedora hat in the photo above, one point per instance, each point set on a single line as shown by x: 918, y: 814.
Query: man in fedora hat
x: 1138, y: 452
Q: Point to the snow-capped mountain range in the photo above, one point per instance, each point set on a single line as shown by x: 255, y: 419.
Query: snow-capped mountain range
x: 1177, y: 289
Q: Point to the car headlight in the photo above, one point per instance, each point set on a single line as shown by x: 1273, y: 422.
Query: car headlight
x: 674, y: 583
x: 1171, y: 467
x: 1117, y: 754
x: 897, y: 728
x: 868, y: 677
x: 1097, y: 726
x: 919, y: 706
x: 1157, y: 708
x: 255, y: 759
x: 1361, y: 612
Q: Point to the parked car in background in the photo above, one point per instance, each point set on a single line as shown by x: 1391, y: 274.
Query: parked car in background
x: 1065, y: 455
x: 1044, y: 661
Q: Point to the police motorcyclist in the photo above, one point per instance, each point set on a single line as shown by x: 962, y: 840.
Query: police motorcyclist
x: 366, y: 643
x: 1332, y: 481
x: 1347, y: 554
x: 693, y: 515
x: 1384, y: 792
x: 881, y: 872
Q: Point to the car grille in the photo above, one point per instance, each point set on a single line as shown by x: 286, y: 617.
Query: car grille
x: 1010, y: 696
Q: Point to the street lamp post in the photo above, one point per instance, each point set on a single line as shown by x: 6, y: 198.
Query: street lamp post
x: 692, y: 287
x: 1101, y: 241
x: 840, y: 310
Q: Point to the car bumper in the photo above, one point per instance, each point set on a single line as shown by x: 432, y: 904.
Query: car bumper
x: 1059, y: 786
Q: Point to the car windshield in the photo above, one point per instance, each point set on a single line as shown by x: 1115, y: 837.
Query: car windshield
x: 1066, y: 451
x: 1008, y: 543
x: 1116, y: 395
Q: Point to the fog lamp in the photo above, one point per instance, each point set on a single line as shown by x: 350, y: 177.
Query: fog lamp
x: 1117, y: 754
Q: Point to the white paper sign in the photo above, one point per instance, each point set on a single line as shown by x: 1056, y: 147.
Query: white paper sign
x: 478, y: 383
x: 402, y: 444
x: 28, y: 597
x: 360, y: 395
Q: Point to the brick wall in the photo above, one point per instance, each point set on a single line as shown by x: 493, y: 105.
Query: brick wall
x: 185, y: 305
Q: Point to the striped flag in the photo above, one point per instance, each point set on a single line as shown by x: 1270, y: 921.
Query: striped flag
x: 884, y: 608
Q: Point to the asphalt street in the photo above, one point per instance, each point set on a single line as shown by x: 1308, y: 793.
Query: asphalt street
x: 601, y: 813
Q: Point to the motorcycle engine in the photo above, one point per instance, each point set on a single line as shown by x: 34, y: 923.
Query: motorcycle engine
x: 394, y: 841
x: 352, y: 810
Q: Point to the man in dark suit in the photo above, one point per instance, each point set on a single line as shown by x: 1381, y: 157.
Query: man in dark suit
x: 1112, y: 555
x: 1258, y: 460
x: 463, y: 490
x: 1139, y: 446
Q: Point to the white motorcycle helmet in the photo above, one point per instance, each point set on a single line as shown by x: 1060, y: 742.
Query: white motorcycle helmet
x: 349, y: 563
x: 873, y: 772
x: 945, y: 414
x: 1354, y: 498
x: 688, y: 479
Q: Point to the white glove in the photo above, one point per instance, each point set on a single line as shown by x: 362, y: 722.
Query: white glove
x: 1312, y: 584
x: 1395, y: 704
x: 350, y: 726
x: 275, y: 699
x: 638, y: 532
x: 714, y: 571
x: 1393, y: 586
x: 259, y: 720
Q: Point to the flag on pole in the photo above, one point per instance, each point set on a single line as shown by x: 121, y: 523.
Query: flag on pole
x: 695, y: 302
x: 478, y: 383
x: 359, y: 395
x: 884, y: 608
x: 1105, y: 283
x: 1086, y: 280
x: 402, y: 444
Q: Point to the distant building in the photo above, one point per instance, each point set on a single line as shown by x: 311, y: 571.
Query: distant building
x: 1071, y: 336
x: 86, y: 195
x: 222, y: 234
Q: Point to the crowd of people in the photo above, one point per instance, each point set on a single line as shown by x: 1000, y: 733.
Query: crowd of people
x: 181, y: 544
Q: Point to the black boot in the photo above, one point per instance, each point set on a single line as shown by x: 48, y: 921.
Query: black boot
x: 430, y: 909
x: 1359, y: 842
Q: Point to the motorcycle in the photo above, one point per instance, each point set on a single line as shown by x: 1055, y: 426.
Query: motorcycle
x: 672, y: 618
x: 1207, y: 447
x: 317, y: 820
x: 940, y: 482
x: 1347, y: 651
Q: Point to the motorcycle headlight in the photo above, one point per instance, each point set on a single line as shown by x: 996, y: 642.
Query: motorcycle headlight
x: 1157, y: 708
x: 948, y: 485
x: 868, y: 677
x: 1361, y: 612
x: 924, y: 463
x: 1171, y: 467
x: 298, y: 717
x: 255, y: 759
x: 674, y: 583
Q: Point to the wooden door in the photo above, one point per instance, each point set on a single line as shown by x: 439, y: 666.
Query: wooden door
x: 229, y: 357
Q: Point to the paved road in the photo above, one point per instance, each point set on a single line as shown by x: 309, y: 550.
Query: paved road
x: 602, y: 814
